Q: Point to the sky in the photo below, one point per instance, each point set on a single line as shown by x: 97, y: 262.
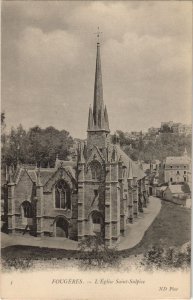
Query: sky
x: 48, y: 63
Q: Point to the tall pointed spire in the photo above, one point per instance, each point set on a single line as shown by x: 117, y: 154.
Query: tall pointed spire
x: 98, y: 88
x: 98, y: 118
x: 90, y: 119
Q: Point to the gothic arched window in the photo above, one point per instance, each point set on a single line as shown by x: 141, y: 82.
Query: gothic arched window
x: 26, y: 212
x: 62, y: 195
x: 96, y: 170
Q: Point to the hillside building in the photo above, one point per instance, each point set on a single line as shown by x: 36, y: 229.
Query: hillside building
x: 177, y: 169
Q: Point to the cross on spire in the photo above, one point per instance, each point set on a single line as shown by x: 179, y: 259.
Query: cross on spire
x: 98, y: 34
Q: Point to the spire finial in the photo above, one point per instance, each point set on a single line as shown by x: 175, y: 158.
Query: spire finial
x: 98, y: 35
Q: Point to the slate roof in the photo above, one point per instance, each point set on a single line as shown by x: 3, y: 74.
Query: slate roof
x: 45, y: 173
x: 177, y: 160
x: 176, y: 189
x: 137, y: 169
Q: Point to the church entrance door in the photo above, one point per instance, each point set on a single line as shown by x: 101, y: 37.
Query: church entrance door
x: 61, y: 227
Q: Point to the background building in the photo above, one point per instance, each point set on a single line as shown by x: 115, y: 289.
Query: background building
x: 177, y: 169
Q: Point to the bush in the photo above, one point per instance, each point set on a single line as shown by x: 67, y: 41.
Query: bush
x: 171, y: 258
x: 17, y: 263
x: 94, y: 253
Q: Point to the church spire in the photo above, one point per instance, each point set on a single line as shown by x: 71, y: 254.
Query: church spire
x: 98, y: 88
x: 98, y: 118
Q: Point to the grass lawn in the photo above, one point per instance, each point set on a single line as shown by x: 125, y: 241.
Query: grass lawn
x: 172, y: 227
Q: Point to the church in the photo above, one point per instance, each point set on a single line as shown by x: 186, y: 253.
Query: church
x: 99, y: 192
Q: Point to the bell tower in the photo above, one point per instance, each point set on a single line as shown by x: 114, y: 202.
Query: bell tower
x: 98, y: 123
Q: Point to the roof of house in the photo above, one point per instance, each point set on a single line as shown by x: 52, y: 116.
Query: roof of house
x: 177, y: 160
x: 176, y: 189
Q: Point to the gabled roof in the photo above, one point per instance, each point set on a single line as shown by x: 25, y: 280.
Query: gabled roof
x: 129, y: 163
x: 32, y: 174
x: 45, y: 173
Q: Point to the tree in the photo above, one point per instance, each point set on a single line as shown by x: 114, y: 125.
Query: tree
x: 166, y: 144
x: 15, y: 147
x: 121, y: 136
x: 36, y: 146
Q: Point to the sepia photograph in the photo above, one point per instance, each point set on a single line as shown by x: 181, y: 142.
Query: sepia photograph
x: 96, y: 149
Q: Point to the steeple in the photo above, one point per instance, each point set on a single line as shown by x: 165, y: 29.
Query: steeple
x: 98, y: 118
x: 98, y: 87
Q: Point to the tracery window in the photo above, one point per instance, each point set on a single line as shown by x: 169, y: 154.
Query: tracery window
x: 62, y: 195
x: 96, y: 170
